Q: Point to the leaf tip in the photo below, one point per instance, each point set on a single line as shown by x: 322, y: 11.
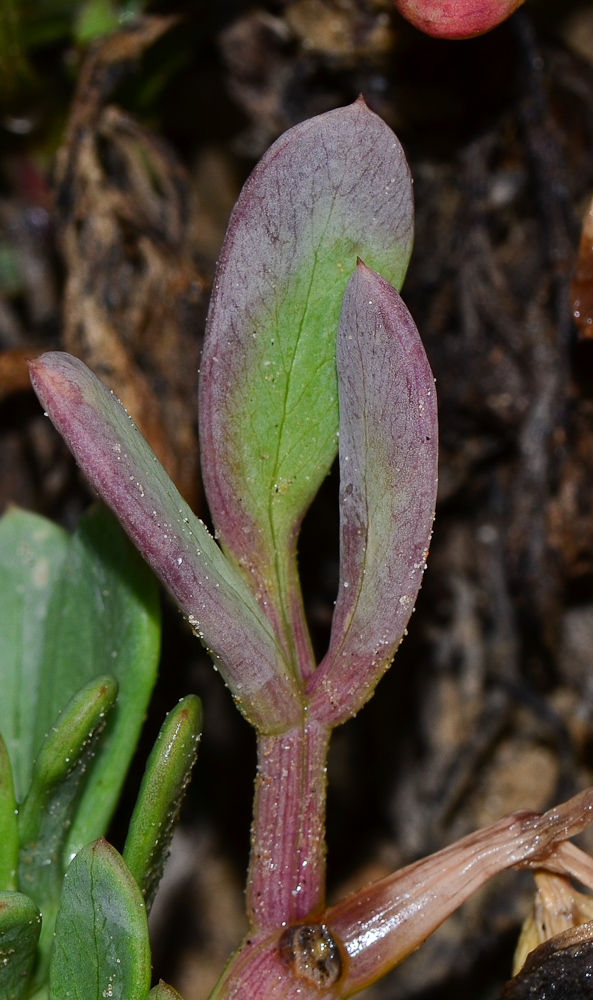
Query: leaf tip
x: 363, y: 269
x: 51, y: 373
x: 365, y: 273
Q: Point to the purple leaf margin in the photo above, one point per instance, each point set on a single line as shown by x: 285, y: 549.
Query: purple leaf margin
x: 388, y: 481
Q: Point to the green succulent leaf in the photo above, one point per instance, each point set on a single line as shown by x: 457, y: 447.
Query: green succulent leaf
x: 46, y: 815
x: 163, y: 992
x: 20, y: 924
x: 329, y: 190
x: 32, y: 553
x: 101, y: 946
x: 74, y: 607
x: 167, y: 774
x: 9, y: 836
x: 104, y: 618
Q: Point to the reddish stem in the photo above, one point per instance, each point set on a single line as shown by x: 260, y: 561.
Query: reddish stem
x: 287, y: 868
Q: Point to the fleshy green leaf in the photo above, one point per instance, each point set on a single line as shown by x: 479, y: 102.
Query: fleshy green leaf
x: 74, y: 607
x: 104, y: 618
x: 159, y: 801
x: 47, y: 812
x: 32, y: 552
x: 125, y: 472
x: 9, y: 837
x: 20, y: 924
x: 101, y: 946
x: 163, y: 992
x: 388, y: 478
x: 329, y: 189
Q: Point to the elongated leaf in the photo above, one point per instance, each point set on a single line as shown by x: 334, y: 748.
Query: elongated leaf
x: 9, y: 836
x: 104, y: 618
x: 156, y: 812
x: 20, y: 924
x: 124, y: 471
x: 32, y: 552
x: 46, y: 816
x: 59, y: 771
x: 101, y: 946
x: 330, y: 189
x: 163, y: 992
x: 388, y: 476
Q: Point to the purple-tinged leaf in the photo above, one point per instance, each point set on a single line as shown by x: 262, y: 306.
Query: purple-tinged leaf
x: 329, y: 190
x: 126, y: 474
x: 388, y: 476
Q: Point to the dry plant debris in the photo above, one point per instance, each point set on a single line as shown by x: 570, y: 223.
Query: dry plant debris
x: 134, y: 296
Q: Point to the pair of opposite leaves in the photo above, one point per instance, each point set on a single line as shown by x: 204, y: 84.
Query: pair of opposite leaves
x: 278, y: 394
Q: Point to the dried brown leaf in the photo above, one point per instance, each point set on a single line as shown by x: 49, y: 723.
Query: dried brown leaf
x: 134, y: 295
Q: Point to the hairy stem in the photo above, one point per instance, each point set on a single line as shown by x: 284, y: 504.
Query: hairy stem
x: 287, y: 868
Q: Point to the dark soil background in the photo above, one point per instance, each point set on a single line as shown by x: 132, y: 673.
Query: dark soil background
x: 119, y: 163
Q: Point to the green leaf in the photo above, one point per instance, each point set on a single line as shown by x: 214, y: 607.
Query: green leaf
x: 32, y: 552
x: 59, y: 771
x: 329, y: 190
x: 46, y: 815
x: 101, y: 947
x: 159, y: 801
x: 164, y: 992
x: 104, y: 618
x: 74, y: 607
x: 20, y: 924
x: 9, y: 837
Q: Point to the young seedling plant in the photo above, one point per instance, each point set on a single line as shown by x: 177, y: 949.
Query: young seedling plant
x: 309, y: 352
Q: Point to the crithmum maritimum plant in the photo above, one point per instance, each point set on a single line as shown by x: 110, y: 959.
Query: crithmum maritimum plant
x: 79, y: 645
x: 309, y: 352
